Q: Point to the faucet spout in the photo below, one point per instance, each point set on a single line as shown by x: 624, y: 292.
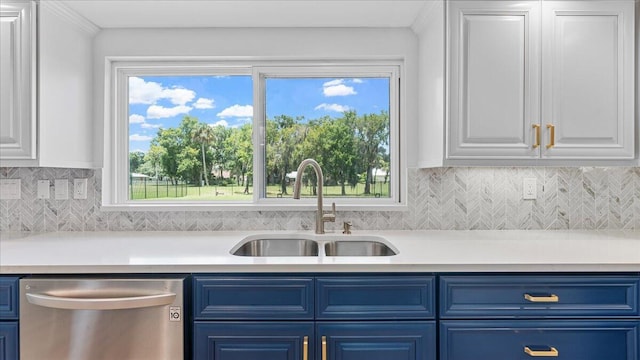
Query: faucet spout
x: 321, y: 217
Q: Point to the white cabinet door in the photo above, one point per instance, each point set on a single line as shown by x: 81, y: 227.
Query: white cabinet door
x: 587, y: 79
x: 17, y: 88
x: 493, y: 79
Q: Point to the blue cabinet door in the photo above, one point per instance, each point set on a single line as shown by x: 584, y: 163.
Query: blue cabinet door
x: 526, y: 339
x: 410, y: 340
x: 9, y: 340
x: 252, y: 340
x: 9, y: 297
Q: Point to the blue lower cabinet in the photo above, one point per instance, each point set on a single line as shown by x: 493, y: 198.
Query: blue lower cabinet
x: 526, y: 339
x: 252, y: 340
x: 9, y: 297
x: 410, y: 340
x: 9, y: 340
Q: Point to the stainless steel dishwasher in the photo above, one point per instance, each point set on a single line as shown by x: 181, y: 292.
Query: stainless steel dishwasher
x: 100, y: 319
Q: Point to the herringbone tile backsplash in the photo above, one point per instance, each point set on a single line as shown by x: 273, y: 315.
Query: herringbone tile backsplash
x: 444, y: 198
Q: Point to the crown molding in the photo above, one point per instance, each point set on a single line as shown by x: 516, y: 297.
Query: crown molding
x: 425, y: 15
x: 71, y: 16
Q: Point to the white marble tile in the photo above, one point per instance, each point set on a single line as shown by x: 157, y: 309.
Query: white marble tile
x: 439, y: 199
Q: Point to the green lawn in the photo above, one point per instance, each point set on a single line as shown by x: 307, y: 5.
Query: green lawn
x: 236, y: 193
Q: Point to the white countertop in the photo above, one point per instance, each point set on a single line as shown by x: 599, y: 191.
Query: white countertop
x: 418, y: 251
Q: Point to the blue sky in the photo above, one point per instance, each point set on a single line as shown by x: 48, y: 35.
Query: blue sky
x: 162, y: 101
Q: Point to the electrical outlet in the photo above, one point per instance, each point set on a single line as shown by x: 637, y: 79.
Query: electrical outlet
x: 43, y: 189
x: 529, y: 189
x: 10, y: 189
x: 62, y: 189
x: 79, y: 188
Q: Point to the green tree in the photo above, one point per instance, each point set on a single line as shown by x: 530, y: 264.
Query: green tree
x: 222, y: 154
x: 240, y: 140
x: 284, y: 135
x: 372, y: 134
x: 153, y: 158
x: 136, y: 159
x: 189, y: 164
x: 203, y: 134
x: 331, y: 143
x: 170, y: 141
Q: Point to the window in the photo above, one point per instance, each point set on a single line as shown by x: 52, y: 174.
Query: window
x: 201, y: 134
x: 343, y: 123
x: 190, y: 137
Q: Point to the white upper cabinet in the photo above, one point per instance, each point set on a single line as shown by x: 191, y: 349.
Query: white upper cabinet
x: 588, y: 79
x: 18, y: 85
x: 493, y: 81
x: 46, y: 110
x: 532, y: 80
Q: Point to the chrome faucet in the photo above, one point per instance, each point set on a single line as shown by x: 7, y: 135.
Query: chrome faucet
x: 321, y: 217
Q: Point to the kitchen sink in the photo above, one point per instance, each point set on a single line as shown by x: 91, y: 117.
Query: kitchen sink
x: 278, y: 247
x: 266, y: 245
x: 357, y: 248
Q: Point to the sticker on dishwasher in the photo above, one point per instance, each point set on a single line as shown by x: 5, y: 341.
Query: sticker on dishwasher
x: 174, y: 313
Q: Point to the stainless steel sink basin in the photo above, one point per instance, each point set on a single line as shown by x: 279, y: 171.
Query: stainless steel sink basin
x: 357, y: 248
x: 278, y: 247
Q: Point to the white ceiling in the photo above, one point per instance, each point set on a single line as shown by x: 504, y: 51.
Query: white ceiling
x: 247, y: 13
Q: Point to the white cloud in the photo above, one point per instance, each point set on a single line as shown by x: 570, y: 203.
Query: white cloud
x: 237, y: 111
x: 142, y: 92
x: 338, y: 90
x: 203, y: 103
x: 149, y: 92
x: 150, y: 126
x: 136, y: 119
x: 357, y: 81
x: 335, y: 82
x: 159, y: 112
x: 178, y: 95
x: 223, y: 123
x: 332, y: 107
x: 138, y: 137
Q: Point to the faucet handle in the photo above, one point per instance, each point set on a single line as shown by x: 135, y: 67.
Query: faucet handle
x: 331, y: 216
x: 346, y: 226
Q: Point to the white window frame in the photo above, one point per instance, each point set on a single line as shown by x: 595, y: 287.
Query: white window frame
x: 115, y: 174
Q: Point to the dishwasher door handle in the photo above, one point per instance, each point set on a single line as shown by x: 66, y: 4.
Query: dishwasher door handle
x: 114, y: 303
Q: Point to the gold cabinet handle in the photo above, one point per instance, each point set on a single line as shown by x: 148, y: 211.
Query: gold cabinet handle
x: 324, y: 348
x: 551, y: 298
x: 305, y: 348
x: 537, y: 128
x: 552, y: 352
x: 552, y: 136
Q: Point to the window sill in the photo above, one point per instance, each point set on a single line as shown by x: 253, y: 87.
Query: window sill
x: 302, y: 206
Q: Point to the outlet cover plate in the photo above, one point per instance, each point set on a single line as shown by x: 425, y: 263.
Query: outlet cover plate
x: 62, y: 189
x: 43, y: 189
x: 10, y: 189
x: 529, y: 189
x: 80, y: 189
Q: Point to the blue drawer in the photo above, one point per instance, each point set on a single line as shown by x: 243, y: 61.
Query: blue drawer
x: 539, y: 296
x: 571, y: 339
x: 9, y: 298
x: 375, y: 297
x: 253, y: 298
